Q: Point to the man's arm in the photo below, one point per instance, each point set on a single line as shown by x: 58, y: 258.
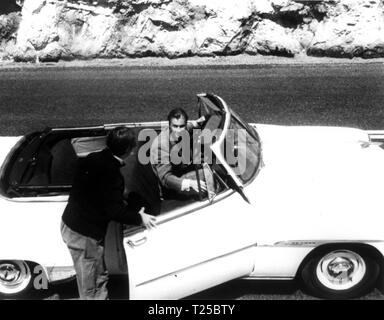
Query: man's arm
x: 193, y: 124
x: 170, y: 181
x: 160, y: 161
x: 167, y: 178
x: 161, y: 164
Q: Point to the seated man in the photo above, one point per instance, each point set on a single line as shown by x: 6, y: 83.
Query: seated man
x: 174, y: 170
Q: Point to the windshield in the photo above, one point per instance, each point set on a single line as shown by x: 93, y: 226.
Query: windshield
x: 234, y: 142
x: 242, y: 150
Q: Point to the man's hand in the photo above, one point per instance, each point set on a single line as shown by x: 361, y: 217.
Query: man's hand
x: 195, y: 186
x: 149, y: 221
x: 197, y: 123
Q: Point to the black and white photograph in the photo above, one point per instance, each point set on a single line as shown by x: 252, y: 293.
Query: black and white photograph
x: 193, y: 150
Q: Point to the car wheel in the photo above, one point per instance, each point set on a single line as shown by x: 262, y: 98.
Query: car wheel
x: 15, y: 277
x: 340, y: 274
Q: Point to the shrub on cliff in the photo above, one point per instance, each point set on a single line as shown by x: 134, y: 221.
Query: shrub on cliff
x: 9, y: 25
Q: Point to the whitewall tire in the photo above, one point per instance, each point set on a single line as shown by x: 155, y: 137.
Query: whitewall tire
x: 15, y: 277
x: 340, y: 273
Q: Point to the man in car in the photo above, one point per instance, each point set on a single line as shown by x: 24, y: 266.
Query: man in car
x: 96, y: 198
x: 174, y: 170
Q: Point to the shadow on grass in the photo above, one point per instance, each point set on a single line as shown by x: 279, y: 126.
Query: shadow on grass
x: 236, y: 289
x: 233, y: 290
x: 250, y: 289
x: 117, y: 287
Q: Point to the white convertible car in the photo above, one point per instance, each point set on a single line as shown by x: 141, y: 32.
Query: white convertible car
x: 308, y: 206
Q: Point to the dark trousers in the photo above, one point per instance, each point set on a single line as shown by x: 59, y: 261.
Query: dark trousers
x: 88, y: 259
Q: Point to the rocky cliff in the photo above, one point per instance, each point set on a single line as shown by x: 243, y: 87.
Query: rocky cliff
x: 50, y: 30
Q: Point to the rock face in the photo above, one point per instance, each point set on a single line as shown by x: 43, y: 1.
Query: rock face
x: 49, y: 30
x: 9, y: 23
x: 351, y: 28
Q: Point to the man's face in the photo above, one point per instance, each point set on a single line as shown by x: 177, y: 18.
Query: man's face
x: 177, y: 126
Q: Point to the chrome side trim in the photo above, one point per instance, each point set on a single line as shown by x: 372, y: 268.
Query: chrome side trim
x: 58, y: 129
x: 376, y: 136
x: 137, y: 124
x: 51, y: 199
x: 195, y: 265
x: 112, y: 125
x: 315, y: 243
x: 267, y: 278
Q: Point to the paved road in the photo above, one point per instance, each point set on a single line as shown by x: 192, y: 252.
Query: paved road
x: 350, y: 95
x: 337, y: 94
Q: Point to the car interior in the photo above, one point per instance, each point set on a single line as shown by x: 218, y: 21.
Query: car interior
x: 52, y: 167
x: 45, y: 165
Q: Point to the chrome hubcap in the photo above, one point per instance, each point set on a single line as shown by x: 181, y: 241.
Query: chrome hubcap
x: 9, y: 273
x: 14, y: 276
x: 341, y: 269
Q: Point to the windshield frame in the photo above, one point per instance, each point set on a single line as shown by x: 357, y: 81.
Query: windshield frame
x: 253, y: 134
x: 217, y: 146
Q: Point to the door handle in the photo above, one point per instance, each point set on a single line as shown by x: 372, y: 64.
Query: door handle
x: 138, y: 242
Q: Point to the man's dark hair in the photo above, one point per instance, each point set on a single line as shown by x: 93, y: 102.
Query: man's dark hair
x: 120, y: 139
x: 177, y: 113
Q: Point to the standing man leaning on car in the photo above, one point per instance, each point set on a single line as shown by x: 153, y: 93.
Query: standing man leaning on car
x: 96, y: 198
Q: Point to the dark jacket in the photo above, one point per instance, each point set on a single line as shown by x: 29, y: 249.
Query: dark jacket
x: 168, y: 173
x: 96, y: 197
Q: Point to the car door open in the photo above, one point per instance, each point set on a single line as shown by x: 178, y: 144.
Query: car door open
x: 198, y: 245
x: 192, y: 249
